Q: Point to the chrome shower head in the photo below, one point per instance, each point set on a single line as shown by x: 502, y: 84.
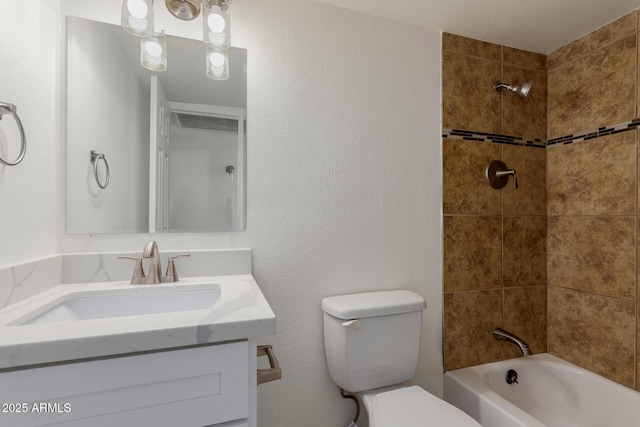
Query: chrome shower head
x: 522, y: 91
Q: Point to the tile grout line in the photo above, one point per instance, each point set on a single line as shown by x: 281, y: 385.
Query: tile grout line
x: 502, y: 243
x: 635, y: 355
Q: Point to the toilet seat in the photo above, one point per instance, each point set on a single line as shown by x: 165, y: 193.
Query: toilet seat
x: 413, y: 406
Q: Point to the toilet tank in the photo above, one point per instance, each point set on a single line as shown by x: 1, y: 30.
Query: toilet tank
x: 372, y: 339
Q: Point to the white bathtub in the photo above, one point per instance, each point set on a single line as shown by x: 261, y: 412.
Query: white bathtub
x: 550, y: 392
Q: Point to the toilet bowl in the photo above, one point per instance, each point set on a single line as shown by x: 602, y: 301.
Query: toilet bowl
x: 372, y: 341
x: 412, y: 406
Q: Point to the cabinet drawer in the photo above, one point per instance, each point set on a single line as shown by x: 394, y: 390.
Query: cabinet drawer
x: 188, y: 387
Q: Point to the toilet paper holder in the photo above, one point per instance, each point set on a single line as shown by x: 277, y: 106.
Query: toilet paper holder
x: 272, y: 373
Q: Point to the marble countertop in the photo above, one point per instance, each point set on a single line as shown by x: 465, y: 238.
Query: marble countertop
x: 242, y: 313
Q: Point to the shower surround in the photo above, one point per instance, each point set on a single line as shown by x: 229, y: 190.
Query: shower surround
x: 568, y: 287
x: 494, y: 240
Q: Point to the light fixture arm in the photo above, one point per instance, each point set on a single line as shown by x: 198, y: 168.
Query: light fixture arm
x: 187, y: 10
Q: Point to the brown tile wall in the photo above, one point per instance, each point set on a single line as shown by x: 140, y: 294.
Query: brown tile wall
x: 470, y: 69
x: 556, y: 261
x: 494, y: 240
x: 592, y: 204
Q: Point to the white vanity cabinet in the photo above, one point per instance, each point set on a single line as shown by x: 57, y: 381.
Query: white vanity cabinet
x: 211, y: 385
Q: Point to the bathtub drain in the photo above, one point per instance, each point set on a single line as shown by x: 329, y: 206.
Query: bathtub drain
x: 512, y: 377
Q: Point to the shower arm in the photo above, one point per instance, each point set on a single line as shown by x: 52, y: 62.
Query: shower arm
x: 499, y: 86
x: 522, y: 90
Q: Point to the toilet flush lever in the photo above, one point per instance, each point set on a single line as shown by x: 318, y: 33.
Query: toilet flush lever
x: 355, y: 324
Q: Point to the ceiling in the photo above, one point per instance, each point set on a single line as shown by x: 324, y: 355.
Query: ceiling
x: 535, y: 25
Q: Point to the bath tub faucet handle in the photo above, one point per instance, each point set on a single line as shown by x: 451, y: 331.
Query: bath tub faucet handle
x: 497, y: 175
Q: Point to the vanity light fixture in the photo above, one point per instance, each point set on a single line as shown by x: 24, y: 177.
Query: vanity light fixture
x: 217, y: 38
x: 137, y: 19
x: 217, y: 63
x: 217, y: 28
x: 153, y: 52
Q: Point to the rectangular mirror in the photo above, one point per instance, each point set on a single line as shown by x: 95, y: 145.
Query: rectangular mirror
x: 168, y: 148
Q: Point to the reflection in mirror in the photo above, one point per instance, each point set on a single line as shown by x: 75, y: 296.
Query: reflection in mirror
x: 170, y: 139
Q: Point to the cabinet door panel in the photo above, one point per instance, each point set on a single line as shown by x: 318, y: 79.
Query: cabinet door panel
x: 189, y: 387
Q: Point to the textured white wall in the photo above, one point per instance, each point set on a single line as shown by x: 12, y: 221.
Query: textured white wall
x: 344, y: 183
x: 344, y: 176
x: 28, y: 78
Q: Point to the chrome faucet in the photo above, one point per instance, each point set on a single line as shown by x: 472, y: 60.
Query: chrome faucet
x: 502, y: 335
x: 152, y: 253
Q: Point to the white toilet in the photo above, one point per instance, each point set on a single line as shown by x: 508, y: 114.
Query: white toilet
x: 372, y: 341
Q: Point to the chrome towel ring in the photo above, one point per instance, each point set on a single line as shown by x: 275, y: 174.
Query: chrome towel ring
x: 95, y: 157
x: 6, y: 108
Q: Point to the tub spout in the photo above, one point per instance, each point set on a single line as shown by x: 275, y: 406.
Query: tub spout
x: 501, y: 334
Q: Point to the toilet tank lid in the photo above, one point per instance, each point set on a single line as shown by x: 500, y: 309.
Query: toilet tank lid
x: 371, y: 304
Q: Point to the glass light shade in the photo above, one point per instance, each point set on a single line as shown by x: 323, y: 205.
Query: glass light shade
x: 217, y: 25
x: 137, y: 17
x: 153, y: 52
x: 217, y: 63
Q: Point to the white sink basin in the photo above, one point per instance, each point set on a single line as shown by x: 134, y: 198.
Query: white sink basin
x: 126, y: 303
x: 88, y: 320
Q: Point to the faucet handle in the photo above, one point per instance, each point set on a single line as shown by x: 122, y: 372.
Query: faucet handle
x: 172, y: 274
x: 138, y: 271
x: 497, y: 175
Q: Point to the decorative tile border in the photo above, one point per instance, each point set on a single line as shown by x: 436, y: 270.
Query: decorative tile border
x: 595, y: 133
x: 492, y: 137
x: 541, y: 143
